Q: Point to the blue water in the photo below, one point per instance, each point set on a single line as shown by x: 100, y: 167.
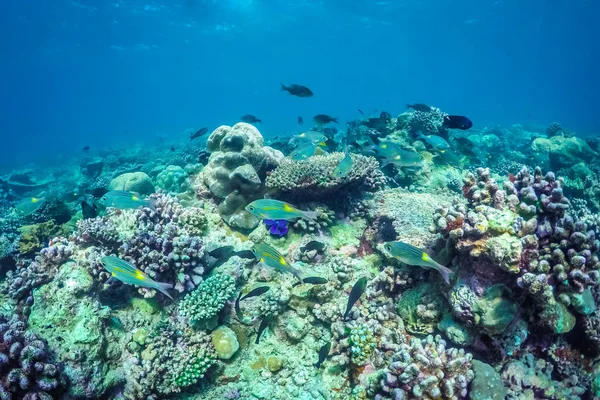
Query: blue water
x: 109, y: 73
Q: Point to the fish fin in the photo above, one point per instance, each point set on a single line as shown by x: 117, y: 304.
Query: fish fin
x: 312, y: 215
x: 283, y: 88
x: 445, y: 272
x: 162, y: 287
x: 150, y: 203
x: 334, y: 120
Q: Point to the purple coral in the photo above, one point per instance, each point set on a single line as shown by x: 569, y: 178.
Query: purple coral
x: 277, y: 227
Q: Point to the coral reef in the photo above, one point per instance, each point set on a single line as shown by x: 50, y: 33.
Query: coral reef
x: 208, y: 298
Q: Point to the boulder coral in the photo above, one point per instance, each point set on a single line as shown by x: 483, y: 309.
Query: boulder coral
x: 237, y: 170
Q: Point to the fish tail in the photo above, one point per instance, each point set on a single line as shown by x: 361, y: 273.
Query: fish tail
x: 312, y: 215
x: 163, y: 287
x: 334, y: 120
x: 283, y: 88
x: 445, y: 272
x: 150, y: 203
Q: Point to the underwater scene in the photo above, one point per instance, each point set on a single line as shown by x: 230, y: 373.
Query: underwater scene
x: 299, y: 200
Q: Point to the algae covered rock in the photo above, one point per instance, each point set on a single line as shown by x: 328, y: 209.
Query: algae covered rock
x: 225, y: 342
x: 495, y: 311
x: 487, y: 383
x: 137, y: 182
x: 564, y: 151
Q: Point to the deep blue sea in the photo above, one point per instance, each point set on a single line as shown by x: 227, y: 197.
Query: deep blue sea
x: 108, y: 73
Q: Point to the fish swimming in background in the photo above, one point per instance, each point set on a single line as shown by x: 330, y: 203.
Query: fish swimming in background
x: 313, y: 280
x: 251, y: 119
x: 263, y: 325
x: 419, y: 107
x: 391, y: 153
x: 323, y: 119
x: 197, y: 134
x: 357, y: 291
x: 254, y: 292
x: 30, y: 205
x: 436, y: 142
x: 412, y: 255
x: 361, y: 112
x: 344, y: 167
x: 88, y: 210
x: 323, y: 353
x: 270, y: 257
x: 124, y: 200
x: 305, y: 152
x: 275, y: 209
x: 310, y: 137
x: 297, y: 90
x: 86, y: 148
x: 313, y: 245
x: 130, y: 275
x: 457, y: 122
x: 300, y: 120
x: 172, y: 148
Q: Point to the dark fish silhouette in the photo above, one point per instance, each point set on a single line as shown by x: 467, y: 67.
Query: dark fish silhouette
x: 361, y: 112
x: 385, y: 116
x: 198, y: 133
x: 323, y: 119
x: 172, y: 148
x: 223, y: 254
x: 300, y: 120
x: 313, y: 245
x: 313, y: 280
x: 323, y: 353
x: 88, y: 210
x: 97, y: 192
x: 256, y: 292
x: 251, y: 119
x: 357, y: 290
x: 86, y: 148
x: 419, y: 107
x: 203, y: 157
x: 457, y: 122
x: 297, y: 90
x: 265, y: 322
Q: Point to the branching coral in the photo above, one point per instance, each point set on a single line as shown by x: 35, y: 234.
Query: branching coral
x: 315, y: 178
x: 208, y: 299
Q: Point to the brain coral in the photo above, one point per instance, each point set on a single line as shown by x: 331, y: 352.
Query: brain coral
x: 314, y: 178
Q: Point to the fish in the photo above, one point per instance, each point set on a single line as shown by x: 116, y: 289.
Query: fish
x: 125, y: 200
x: 304, y: 153
x: 344, y: 167
x: 412, y: 255
x: 30, y: 205
x: 86, y: 148
x: 244, y: 254
x: 270, y: 257
x: 97, y: 192
x: 275, y: 209
x: 310, y: 137
x: 224, y: 253
x: 238, y: 311
x: 263, y: 324
x: 200, y: 132
x: 72, y: 195
x: 203, y: 157
x: 357, y: 290
x: 391, y: 153
x: 88, y: 210
x: 323, y: 353
x: 172, y: 148
x: 313, y: 280
x: 438, y: 143
x: 256, y: 292
x: 300, y: 120
x: 313, y: 245
x: 297, y: 90
x: 127, y: 273
x: 361, y: 112
x: 251, y: 119
x: 323, y: 119
x: 457, y: 122
x: 419, y: 107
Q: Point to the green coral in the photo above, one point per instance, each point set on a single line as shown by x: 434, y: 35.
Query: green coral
x: 362, y: 342
x: 421, y: 308
x: 34, y: 237
x: 495, y: 311
x: 208, y: 299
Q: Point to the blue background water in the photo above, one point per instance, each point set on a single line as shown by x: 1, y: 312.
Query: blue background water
x: 109, y: 72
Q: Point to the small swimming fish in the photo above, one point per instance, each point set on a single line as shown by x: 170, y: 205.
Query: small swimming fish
x: 412, y: 255
x: 251, y: 119
x: 125, y: 200
x: 436, y: 142
x: 256, y: 292
x: 323, y: 353
x: 313, y: 245
x: 313, y: 280
x: 419, y: 107
x: 263, y: 325
x: 357, y: 290
x: 88, y: 210
x: 200, y: 132
x: 310, y: 137
x: 86, y: 148
x: 300, y: 120
x: 297, y: 90
x: 275, y: 209
x: 130, y: 275
x: 361, y: 112
x: 391, y: 153
x: 304, y: 153
x: 270, y: 257
x: 30, y: 205
x: 457, y: 122
x: 323, y: 119
x: 172, y: 148
x: 344, y: 167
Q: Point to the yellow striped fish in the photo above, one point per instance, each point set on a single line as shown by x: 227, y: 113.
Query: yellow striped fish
x: 130, y: 275
x: 270, y: 257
